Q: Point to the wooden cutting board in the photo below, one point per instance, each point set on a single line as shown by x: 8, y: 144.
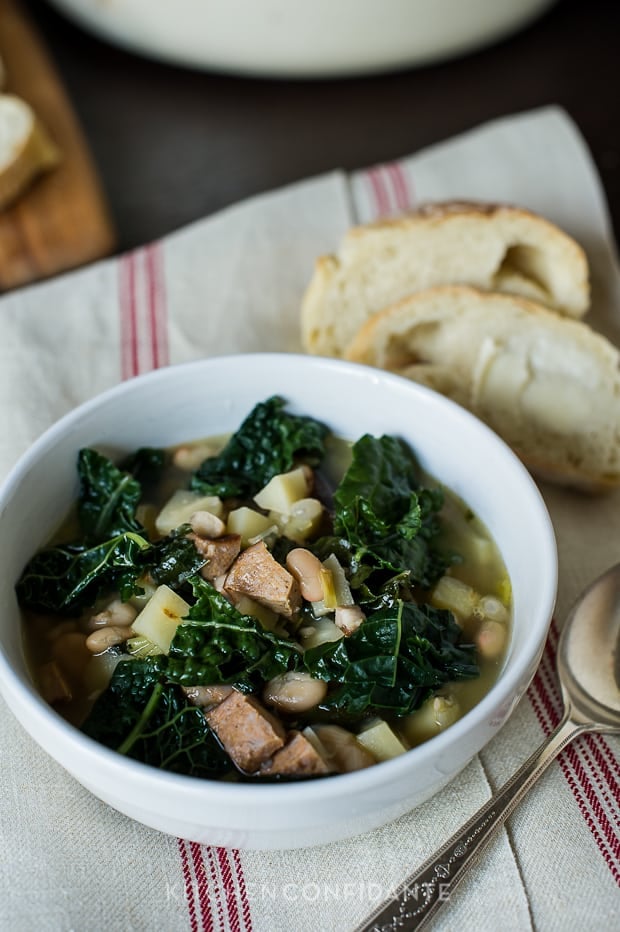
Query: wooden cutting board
x: 62, y: 220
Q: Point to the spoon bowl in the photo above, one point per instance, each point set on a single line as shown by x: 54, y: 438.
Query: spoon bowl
x: 588, y: 664
x: 589, y: 655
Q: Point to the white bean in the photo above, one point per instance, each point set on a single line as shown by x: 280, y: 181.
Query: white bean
x: 295, y: 691
x: 191, y: 456
x: 118, y: 613
x: 491, y: 639
x: 205, y: 524
x: 122, y: 613
x: 307, y: 570
x: 348, y: 618
x: 207, y: 696
x: 109, y: 636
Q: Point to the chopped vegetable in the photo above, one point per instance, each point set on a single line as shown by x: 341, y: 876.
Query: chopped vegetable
x: 283, y: 491
x: 144, y: 717
x: 380, y: 740
x: 394, y: 660
x: 269, y: 441
x: 159, y: 619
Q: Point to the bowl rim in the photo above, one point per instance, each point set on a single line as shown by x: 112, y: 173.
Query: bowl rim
x: 23, y: 695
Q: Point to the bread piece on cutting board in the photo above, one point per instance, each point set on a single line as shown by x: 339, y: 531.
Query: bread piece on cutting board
x: 26, y: 150
x: 550, y: 386
x: 62, y: 221
x: 489, y: 246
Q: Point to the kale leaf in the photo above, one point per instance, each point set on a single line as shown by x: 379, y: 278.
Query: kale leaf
x: 145, y: 464
x: 108, y: 498
x: 69, y: 577
x: 394, y: 661
x: 383, y: 518
x: 113, y: 552
x: 268, y: 442
x: 173, y: 559
x: 143, y: 716
x: 217, y: 644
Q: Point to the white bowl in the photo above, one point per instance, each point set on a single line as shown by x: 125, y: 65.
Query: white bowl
x: 211, y: 397
x: 297, y: 38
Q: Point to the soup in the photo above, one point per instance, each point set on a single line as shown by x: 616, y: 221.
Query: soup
x: 279, y: 604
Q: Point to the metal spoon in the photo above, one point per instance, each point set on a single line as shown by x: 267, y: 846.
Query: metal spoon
x: 588, y: 663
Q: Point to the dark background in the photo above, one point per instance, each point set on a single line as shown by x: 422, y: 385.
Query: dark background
x: 174, y: 145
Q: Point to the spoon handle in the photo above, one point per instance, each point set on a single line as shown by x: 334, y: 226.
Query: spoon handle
x: 421, y: 894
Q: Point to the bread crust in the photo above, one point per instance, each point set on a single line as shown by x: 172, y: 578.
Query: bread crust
x: 496, y: 247
x: 29, y: 155
x: 550, y: 386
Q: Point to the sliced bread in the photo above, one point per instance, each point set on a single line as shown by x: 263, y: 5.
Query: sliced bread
x: 492, y: 247
x: 26, y: 149
x: 550, y: 386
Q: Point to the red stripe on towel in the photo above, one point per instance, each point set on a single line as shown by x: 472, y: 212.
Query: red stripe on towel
x: 379, y: 191
x: 230, y: 889
x: 144, y: 346
x: 593, y: 803
x: 157, y: 311
x: 584, y: 763
x: 143, y: 311
x: 202, y: 888
x: 245, y: 903
x: 400, y: 186
x: 215, y: 886
x: 128, y: 317
x: 188, y: 885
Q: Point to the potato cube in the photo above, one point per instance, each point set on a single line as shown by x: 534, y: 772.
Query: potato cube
x: 268, y: 618
x: 381, y: 741
x: 281, y: 492
x: 249, y: 524
x: 159, y: 619
x: 179, y: 509
x: 455, y: 595
x: 303, y: 521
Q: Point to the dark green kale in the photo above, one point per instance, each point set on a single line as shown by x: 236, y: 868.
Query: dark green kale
x: 146, y: 465
x: 108, y: 498
x: 114, y: 552
x: 217, y: 644
x: 394, y: 661
x: 142, y: 715
x: 383, y: 518
x: 70, y: 577
x: 269, y: 441
x: 172, y: 560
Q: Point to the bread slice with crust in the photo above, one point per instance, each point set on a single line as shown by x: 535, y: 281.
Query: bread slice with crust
x: 26, y: 150
x: 550, y: 386
x: 492, y: 247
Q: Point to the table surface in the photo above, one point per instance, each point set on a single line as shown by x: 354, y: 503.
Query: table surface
x: 174, y: 145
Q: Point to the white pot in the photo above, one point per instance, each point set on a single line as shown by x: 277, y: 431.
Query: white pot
x: 303, y: 38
